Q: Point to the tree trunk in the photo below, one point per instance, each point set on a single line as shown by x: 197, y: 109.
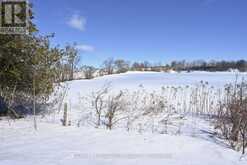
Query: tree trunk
x: 34, y: 104
x: 243, y: 145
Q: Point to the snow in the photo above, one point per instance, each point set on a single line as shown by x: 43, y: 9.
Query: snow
x: 53, y: 144
x: 152, y: 80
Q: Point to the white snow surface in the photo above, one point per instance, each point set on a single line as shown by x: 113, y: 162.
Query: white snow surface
x: 53, y: 144
x: 151, y: 81
x: 56, y: 145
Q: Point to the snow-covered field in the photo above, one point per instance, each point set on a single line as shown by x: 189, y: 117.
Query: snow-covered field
x: 151, y: 80
x: 54, y: 144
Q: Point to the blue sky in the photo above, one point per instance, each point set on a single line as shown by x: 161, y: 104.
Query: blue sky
x: 153, y: 30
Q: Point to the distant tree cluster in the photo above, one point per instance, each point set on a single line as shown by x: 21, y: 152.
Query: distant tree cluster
x: 119, y: 66
x: 201, y: 65
x: 111, y: 66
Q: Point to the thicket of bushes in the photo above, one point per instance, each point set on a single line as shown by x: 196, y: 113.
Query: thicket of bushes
x: 232, y: 115
x: 163, y: 110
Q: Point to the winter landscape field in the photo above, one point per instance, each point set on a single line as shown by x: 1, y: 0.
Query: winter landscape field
x: 187, y: 138
x: 123, y: 82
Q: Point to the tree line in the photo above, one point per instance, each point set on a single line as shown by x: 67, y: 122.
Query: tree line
x: 111, y: 66
x: 211, y: 66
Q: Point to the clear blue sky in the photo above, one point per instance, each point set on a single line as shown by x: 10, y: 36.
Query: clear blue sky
x: 153, y: 30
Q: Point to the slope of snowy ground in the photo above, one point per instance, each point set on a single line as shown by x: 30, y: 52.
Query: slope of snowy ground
x: 57, y: 145
x: 150, y: 80
x: 53, y: 144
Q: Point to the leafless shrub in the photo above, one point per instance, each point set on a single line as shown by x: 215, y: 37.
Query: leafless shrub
x: 160, y: 111
x: 232, y: 115
x: 94, y: 105
x: 115, y: 104
x: 98, y: 102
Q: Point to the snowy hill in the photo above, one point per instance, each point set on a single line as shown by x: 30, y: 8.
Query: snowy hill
x: 189, y: 139
x: 152, y: 80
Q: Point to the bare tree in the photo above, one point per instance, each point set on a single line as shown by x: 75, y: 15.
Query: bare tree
x: 88, y: 71
x: 121, y: 66
x: 137, y: 66
x: 73, y: 58
x: 108, y: 65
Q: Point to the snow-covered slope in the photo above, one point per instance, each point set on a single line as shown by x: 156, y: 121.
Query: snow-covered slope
x: 150, y: 80
x: 57, y: 145
x: 53, y: 144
